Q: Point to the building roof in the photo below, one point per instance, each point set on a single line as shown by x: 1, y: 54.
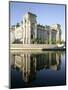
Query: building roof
x: 40, y: 26
x: 32, y: 14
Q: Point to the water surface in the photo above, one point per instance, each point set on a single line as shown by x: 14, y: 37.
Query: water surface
x: 46, y: 68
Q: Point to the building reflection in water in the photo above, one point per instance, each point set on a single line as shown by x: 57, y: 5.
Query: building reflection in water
x: 28, y: 63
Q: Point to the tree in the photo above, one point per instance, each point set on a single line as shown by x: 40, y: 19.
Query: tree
x: 62, y: 42
x: 13, y: 27
x: 49, y: 41
x: 21, y: 22
x: 53, y: 42
x: 17, y: 25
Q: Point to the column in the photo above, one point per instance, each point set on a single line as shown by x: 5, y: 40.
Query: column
x: 35, y: 29
x: 29, y: 33
x: 50, y: 36
x: 57, y: 36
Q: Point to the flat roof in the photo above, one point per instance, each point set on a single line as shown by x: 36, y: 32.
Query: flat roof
x: 32, y: 14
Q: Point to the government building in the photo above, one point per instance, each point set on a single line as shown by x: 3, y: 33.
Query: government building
x: 30, y: 32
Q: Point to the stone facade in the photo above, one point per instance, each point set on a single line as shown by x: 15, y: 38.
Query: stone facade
x: 12, y: 35
x: 29, y: 28
x: 29, y: 32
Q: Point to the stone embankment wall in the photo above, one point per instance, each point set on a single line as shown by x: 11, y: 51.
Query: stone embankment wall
x: 33, y: 46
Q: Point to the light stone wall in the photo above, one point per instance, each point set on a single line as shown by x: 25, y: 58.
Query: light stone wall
x: 57, y: 29
x: 19, y: 33
x: 29, y: 22
x: 30, y: 27
x: 26, y: 30
x: 42, y: 33
x: 12, y: 35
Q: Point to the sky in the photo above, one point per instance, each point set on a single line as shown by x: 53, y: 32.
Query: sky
x: 47, y: 14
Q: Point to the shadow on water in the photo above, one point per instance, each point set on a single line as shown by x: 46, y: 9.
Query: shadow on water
x: 34, y: 70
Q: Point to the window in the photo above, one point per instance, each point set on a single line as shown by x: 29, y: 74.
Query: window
x: 31, y: 36
x: 25, y: 21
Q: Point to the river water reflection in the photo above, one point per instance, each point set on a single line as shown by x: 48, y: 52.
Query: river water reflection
x: 37, y: 69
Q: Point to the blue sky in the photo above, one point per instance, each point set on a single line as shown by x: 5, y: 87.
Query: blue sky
x: 47, y: 14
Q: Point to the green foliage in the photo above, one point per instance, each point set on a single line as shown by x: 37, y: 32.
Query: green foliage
x: 53, y: 42
x: 17, y: 25
x: 38, y: 41
x: 60, y: 42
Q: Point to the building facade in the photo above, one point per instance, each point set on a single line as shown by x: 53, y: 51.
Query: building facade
x: 29, y: 32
